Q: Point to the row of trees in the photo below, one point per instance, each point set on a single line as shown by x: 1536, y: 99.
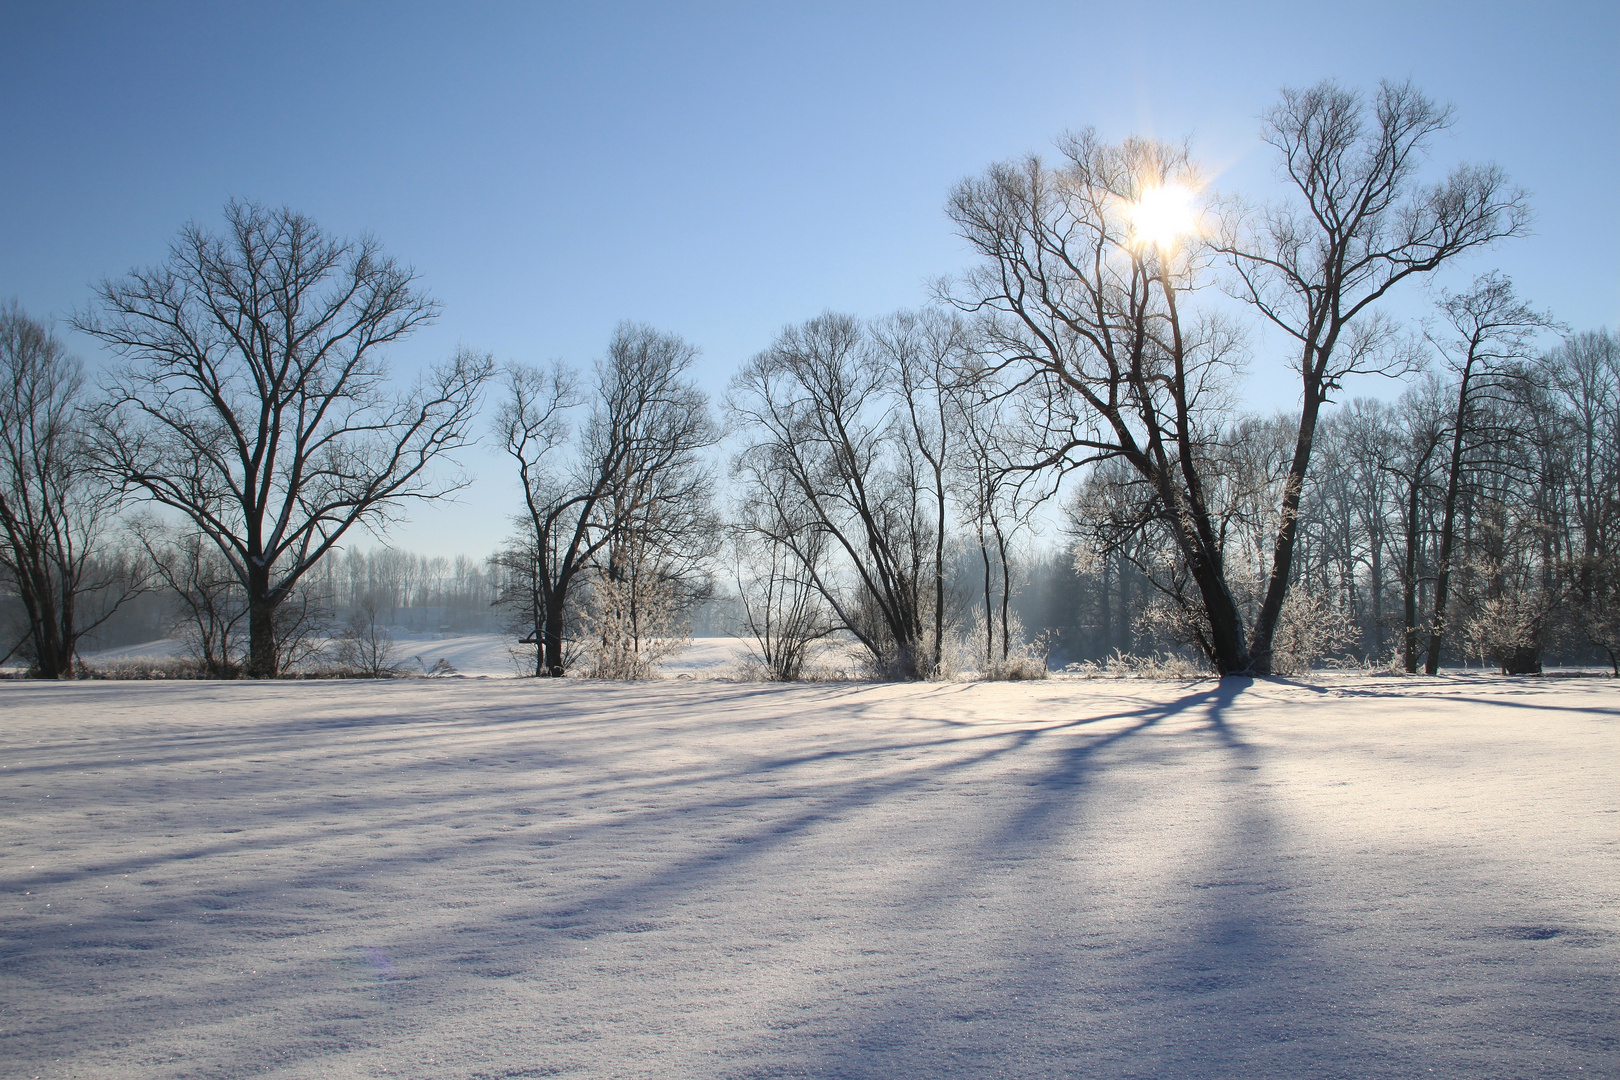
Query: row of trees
x: 1473, y: 517
x: 872, y: 458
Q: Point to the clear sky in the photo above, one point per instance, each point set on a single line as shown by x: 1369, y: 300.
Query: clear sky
x: 719, y: 170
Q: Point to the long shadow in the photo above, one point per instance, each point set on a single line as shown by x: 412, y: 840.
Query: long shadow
x: 673, y: 878
x: 1245, y: 972
x: 1016, y: 1017
x: 1239, y: 973
x: 1435, y: 691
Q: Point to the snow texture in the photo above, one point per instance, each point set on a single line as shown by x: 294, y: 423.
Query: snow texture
x: 481, y: 878
x: 488, y: 655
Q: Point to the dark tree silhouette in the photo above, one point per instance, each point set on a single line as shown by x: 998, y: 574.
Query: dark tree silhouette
x: 254, y: 399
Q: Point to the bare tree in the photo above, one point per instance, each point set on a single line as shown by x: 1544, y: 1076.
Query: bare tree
x: 1583, y: 378
x: 366, y: 645
x: 926, y: 356
x: 54, y: 511
x: 1491, y: 334
x: 836, y: 478
x: 1368, y: 435
x: 207, y: 592
x: 993, y: 498
x: 1364, y: 224
x: 633, y: 473
x: 782, y: 609
x: 1085, y: 304
x: 254, y: 399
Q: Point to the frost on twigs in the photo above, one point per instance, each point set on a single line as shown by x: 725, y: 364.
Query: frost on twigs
x: 1124, y: 665
x: 1310, y: 631
x: 999, y: 652
x: 633, y: 623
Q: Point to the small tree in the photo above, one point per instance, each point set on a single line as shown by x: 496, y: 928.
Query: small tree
x: 834, y: 472
x: 782, y: 609
x: 632, y: 475
x: 207, y: 592
x: 366, y: 644
x: 253, y: 398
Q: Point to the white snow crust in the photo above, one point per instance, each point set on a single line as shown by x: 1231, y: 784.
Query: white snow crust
x: 1352, y: 877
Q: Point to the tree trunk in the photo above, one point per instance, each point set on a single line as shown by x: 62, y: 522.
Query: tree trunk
x: 989, y: 623
x: 1377, y: 597
x: 1409, y: 583
x: 1442, y: 579
x: 1282, y: 552
x: 262, y: 604
x: 1227, y: 650
x: 1006, y: 594
x: 553, y: 643
x: 1523, y: 660
x: 938, y: 659
x: 1105, y: 620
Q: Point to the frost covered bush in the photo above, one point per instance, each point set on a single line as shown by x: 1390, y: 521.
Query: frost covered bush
x: 1124, y: 665
x: 1509, y: 630
x: 1017, y: 659
x: 632, y: 626
x: 145, y: 668
x: 1309, y: 631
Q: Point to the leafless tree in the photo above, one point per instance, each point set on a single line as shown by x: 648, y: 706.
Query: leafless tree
x: 1088, y: 311
x: 782, y: 609
x: 207, y: 591
x: 254, y: 399
x: 926, y: 357
x: 630, y: 483
x: 1362, y: 224
x: 997, y: 499
x: 1489, y: 337
x: 837, y: 479
x: 1368, y: 435
x: 54, y: 511
x: 1583, y: 380
x: 366, y: 645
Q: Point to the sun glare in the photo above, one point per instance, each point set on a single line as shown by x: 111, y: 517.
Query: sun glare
x: 1163, y: 215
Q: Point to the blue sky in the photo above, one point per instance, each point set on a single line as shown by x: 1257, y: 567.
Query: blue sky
x: 719, y: 170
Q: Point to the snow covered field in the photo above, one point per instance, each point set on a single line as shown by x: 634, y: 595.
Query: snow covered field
x: 488, y: 655
x: 1350, y: 877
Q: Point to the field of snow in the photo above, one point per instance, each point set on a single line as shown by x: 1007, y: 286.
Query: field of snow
x: 487, y: 655
x: 480, y: 878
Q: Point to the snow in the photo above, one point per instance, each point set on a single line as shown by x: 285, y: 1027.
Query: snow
x: 487, y: 655
x: 472, y: 878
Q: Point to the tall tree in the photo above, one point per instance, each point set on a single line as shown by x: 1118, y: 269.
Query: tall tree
x: 254, y: 399
x: 925, y: 355
x: 1363, y: 223
x: 1081, y: 285
x: 54, y: 511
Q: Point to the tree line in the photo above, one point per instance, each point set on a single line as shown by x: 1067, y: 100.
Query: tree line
x: 885, y: 477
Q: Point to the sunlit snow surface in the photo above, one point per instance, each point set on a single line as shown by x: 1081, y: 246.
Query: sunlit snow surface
x: 1356, y: 877
x: 487, y: 655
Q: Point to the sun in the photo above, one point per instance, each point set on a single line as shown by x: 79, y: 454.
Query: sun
x: 1162, y: 215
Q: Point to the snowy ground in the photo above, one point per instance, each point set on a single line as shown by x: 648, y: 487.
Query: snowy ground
x: 498, y: 878
x: 488, y: 655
